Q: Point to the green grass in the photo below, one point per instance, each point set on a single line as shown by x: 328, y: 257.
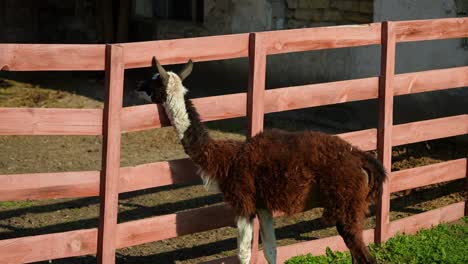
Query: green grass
x: 15, y: 204
x: 445, y: 243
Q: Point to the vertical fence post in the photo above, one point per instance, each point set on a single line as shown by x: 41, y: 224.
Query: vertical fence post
x: 384, y: 131
x: 466, y: 190
x: 110, y: 155
x: 256, y: 107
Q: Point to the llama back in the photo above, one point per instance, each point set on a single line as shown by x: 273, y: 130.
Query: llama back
x: 373, y: 167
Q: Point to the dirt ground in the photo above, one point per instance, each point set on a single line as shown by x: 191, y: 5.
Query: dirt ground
x: 23, y: 154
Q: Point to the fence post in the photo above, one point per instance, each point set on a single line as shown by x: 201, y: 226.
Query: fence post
x: 384, y: 130
x: 109, y: 194
x: 466, y: 190
x: 256, y: 107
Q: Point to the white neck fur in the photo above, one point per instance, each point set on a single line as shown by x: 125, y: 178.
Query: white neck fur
x: 177, y: 113
x: 175, y: 104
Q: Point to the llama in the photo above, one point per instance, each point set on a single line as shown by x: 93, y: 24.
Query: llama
x: 275, y: 170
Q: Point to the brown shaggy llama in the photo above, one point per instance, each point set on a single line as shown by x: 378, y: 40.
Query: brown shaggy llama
x: 275, y: 171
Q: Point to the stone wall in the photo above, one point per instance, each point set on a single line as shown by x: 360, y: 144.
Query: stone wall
x: 239, y: 16
x: 220, y: 17
x: 76, y: 21
x: 307, y: 13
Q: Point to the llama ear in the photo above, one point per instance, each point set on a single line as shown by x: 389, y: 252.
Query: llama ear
x: 185, y: 72
x: 162, y: 72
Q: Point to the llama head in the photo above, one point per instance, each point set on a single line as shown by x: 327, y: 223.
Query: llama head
x: 162, y: 83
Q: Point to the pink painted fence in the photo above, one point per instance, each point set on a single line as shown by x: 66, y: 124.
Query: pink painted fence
x: 115, y: 120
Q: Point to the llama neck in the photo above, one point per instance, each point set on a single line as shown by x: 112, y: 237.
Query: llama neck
x: 185, y: 119
x: 177, y: 113
x: 196, y: 138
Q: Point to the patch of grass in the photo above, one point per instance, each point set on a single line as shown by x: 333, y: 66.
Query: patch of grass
x: 445, y: 243
x: 19, y: 204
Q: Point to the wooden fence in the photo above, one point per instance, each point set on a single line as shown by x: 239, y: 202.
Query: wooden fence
x: 115, y: 119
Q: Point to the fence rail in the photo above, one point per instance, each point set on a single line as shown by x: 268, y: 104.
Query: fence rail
x: 115, y: 119
x: 86, y: 183
x: 51, y: 57
x: 49, y: 121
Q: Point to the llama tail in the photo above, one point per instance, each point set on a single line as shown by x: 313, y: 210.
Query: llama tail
x: 377, y: 176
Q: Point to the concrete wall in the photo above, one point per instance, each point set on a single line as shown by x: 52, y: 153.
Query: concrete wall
x: 418, y: 56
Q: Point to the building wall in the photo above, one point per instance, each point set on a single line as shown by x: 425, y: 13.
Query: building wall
x: 54, y: 21
x: 18, y: 21
x: 418, y: 56
x: 50, y: 21
x: 303, y: 13
x: 236, y: 16
x: 239, y: 16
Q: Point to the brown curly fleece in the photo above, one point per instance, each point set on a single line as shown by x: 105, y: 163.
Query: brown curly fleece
x: 285, y: 171
x: 289, y: 172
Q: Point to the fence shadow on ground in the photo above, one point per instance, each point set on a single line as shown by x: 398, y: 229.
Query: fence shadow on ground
x: 400, y: 204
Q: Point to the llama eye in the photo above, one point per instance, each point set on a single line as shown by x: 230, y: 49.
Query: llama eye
x: 155, y: 76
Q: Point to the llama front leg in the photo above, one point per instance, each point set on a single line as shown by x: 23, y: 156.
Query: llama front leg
x: 244, y: 238
x: 267, y: 232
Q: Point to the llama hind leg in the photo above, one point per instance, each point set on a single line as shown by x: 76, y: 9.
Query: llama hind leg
x: 244, y: 239
x: 349, y: 226
x: 267, y: 232
x: 352, y: 236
